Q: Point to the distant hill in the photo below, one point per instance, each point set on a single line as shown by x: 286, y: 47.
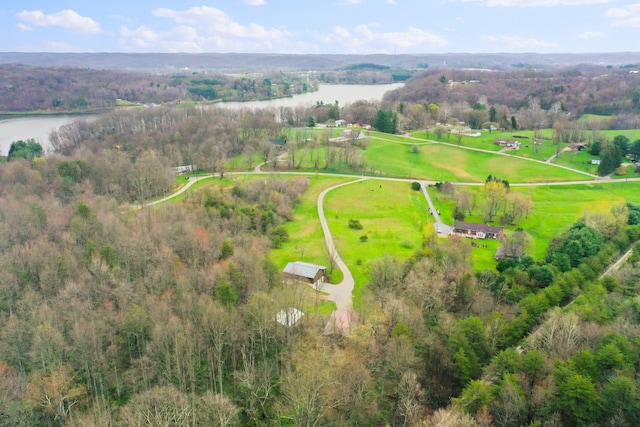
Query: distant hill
x: 252, y: 62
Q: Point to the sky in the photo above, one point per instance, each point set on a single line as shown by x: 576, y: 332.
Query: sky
x: 329, y: 26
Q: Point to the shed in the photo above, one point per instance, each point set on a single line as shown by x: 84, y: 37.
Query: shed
x: 477, y: 231
x: 279, y: 142
x: 289, y: 316
x: 305, y: 272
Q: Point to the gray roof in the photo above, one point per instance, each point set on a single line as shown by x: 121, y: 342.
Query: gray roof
x: 303, y: 269
x: 472, y: 226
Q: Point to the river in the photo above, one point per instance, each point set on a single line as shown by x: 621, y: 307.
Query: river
x: 39, y: 127
x: 36, y: 127
x: 328, y: 94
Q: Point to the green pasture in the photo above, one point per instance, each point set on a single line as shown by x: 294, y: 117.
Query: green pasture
x: 393, y: 218
x: 446, y: 163
x: 578, y: 160
x: 625, y: 172
x: 306, y: 240
x: 555, y: 209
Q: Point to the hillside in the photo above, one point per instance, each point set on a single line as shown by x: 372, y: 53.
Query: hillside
x: 232, y: 62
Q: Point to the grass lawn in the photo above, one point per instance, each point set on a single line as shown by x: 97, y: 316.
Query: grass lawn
x: 306, y: 240
x: 579, y: 160
x: 555, y: 209
x: 446, y: 163
x: 624, y: 172
x: 393, y: 219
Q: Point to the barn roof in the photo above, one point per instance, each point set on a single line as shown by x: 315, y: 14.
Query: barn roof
x: 472, y: 226
x: 303, y: 269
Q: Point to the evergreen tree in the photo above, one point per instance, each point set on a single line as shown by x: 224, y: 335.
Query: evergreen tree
x: 610, y: 160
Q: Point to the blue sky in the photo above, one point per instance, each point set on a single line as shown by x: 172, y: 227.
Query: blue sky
x: 331, y: 26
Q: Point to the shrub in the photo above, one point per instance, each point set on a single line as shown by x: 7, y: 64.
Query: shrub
x: 415, y: 186
x: 355, y: 224
x: 364, y: 238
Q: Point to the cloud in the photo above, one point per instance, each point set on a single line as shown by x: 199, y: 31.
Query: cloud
x: 23, y: 27
x: 205, y: 29
x: 364, y: 38
x: 628, y: 16
x: 587, y: 35
x: 532, y: 3
x: 392, y: 2
x: 255, y: 2
x: 516, y: 43
x: 218, y: 23
x: 67, y: 19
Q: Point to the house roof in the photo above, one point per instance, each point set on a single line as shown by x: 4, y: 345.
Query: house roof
x: 472, y: 226
x: 279, y: 142
x: 289, y: 316
x: 303, y: 269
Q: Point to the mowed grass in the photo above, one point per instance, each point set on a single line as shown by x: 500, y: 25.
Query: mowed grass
x: 306, y: 240
x: 555, y: 209
x: 446, y: 163
x: 393, y: 219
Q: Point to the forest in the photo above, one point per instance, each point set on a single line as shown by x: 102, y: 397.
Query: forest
x: 112, y: 315
x: 73, y: 89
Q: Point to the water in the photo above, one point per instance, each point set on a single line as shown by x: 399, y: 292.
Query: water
x: 328, y: 94
x: 37, y: 128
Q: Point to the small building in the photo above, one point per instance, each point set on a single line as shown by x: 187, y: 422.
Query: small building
x: 348, y: 135
x: 289, y: 316
x: 595, y: 161
x: 306, y: 273
x: 279, y: 142
x: 477, y: 231
x: 509, y: 143
x: 179, y: 170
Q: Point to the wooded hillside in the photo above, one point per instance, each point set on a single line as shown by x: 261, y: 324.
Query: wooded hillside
x: 165, y: 315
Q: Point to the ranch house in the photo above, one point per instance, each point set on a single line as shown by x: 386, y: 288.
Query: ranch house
x: 477, y: 231
x: 306, y: 273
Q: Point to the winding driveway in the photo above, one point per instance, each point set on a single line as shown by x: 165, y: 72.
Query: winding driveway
x: 341, y: 293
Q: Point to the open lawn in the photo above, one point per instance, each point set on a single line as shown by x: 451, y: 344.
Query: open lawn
x: 578, y: 160
x: 393, y: 217
x: 446, y: 163
x: 555, y: 209
x: 306, y: 241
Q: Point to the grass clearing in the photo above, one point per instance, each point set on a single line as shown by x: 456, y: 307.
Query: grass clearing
x: 393, y: 219
x: 306, y: 240
x: 446, y: 163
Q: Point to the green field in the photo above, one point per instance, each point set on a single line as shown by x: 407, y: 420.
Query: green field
x: 446, y: 163
x: 392, y: 215
x: 393, y: 219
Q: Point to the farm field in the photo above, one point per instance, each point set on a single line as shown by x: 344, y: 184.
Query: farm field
x: 393, y: 217
x: 446, y: 163
x: 392, y: 214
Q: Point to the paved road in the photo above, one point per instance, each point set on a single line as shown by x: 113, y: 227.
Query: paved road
x: 482, y: 150
x: 181, y: 190
x: 440, y: 226
x: 341, y: 293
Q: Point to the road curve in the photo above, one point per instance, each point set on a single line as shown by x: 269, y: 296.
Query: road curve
x: 341, y: 293
x: 176, y: 193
